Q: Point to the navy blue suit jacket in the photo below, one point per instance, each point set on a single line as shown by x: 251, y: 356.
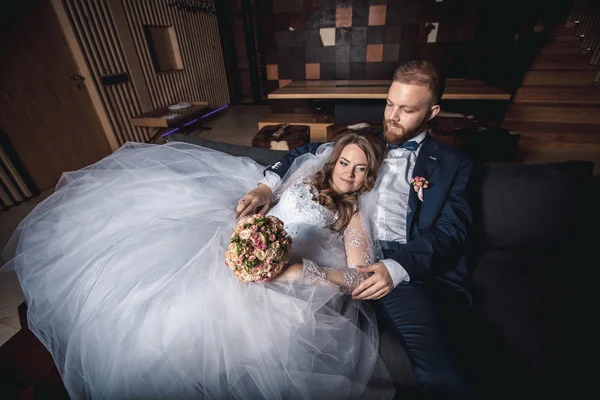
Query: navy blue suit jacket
x: 437, y: 227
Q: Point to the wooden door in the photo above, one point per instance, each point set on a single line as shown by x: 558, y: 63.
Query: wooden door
x: 45, y: 110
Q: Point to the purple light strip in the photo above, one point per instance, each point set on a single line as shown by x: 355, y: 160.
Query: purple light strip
x: 214, y: 111
x: 169, y: 132
x: 189, y: 123
x: 194, y: 120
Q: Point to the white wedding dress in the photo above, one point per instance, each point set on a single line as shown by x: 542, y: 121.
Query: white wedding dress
x: 124, y: 276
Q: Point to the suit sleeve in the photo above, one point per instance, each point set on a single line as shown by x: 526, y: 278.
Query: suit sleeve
x: 445, y: 241
x: 283, y: 165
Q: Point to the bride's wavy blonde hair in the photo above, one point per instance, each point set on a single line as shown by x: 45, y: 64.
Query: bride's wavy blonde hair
x: 346, y: 204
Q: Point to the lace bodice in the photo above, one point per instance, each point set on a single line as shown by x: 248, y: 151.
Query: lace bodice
x: 306, y: 221
x: 299, y: 207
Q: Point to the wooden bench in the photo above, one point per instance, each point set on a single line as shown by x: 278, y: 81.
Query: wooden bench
x: 345, y: 90
x: 456, y: 89
x: 317, y: 123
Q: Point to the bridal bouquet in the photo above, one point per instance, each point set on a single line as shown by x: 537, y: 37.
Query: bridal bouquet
x: 258, y: 248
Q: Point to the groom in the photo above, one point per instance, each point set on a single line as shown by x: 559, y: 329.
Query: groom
x: 423, y: 235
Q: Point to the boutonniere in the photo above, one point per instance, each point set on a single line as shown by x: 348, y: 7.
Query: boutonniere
x: 419, y: 184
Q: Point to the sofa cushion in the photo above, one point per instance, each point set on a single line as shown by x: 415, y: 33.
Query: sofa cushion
x: 522, y: 299
x: 260, y: 155
x: 511, y: 290
x: 521, y: 205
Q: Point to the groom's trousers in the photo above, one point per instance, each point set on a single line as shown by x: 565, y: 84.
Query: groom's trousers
x: 424, y: 317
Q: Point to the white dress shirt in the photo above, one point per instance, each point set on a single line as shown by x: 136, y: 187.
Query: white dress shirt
x: 392, y: 205
x: 392, y: 202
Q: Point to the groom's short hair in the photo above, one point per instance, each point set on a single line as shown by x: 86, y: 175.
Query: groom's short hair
x: 420, y: 72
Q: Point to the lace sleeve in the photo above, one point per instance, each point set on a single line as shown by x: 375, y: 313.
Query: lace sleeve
x: 359, y: 252
x: 345, y: 279
x: 359, y: 249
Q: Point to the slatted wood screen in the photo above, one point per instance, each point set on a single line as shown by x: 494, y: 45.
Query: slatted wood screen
x: 13, y: 188
x: 202, y: 78
x: 585, y: 16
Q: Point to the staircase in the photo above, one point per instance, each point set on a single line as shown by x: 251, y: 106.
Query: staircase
x: 557, y: 107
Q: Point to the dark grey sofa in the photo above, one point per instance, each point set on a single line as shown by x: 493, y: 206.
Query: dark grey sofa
x: 533, y: 271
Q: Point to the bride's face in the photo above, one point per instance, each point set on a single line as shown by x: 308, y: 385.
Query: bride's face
x: 350, y: 170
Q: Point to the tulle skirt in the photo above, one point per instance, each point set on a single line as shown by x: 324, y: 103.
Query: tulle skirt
x: 123, y: 272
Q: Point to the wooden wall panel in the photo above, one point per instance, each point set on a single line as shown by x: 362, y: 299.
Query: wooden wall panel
x: 96, y: 34
x: 202, y: 78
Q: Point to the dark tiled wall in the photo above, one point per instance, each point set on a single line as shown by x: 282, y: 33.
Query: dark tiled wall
x: 364, y: 39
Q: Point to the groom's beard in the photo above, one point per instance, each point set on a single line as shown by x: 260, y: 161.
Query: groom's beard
x: 396, y: 134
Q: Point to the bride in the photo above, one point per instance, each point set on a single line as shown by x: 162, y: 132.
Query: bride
x: 124, y: 276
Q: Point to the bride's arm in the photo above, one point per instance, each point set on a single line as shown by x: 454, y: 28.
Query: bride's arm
x: 359, y: 248
x: 359, y: 251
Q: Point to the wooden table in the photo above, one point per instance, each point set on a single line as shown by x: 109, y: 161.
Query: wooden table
x: 456, y: 89
x: 346, y: 95
x: 165, y: 118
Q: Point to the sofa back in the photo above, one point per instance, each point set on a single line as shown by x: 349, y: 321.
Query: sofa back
x: 515, y: 205
x: 525, y: 205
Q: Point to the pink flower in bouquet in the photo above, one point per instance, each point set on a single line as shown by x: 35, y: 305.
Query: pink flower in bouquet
x: 245, y: 234
x: 259, y: 254
x: 258, y: 249
x: 270, y: 253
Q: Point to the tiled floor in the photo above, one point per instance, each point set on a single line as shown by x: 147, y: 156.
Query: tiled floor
x: 235, y: 125
x: 11, y: 298
x: 10, y: 291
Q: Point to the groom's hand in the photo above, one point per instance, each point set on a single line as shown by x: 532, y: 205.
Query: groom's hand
x: 376, y: 286
x: 254, y: 199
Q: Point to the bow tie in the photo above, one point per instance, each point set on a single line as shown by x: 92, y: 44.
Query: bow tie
x: 411, y: 145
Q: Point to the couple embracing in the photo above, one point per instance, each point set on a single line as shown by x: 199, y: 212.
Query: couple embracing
x: 122, y: 267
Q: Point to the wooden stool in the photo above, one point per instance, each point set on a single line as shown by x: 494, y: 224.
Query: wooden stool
x: 317, y: 123
x: 362, y: 126
x: 282, y: 137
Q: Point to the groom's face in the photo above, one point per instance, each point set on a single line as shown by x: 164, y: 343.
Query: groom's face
x: 407, y: 111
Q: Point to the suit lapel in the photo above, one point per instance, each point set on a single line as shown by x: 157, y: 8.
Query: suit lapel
x: 427, y: 160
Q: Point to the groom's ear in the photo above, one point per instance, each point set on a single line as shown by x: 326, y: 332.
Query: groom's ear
x: 433, y: 111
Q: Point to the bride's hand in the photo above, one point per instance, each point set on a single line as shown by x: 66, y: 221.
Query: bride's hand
x: 254, y: 199
x: 292, y: 272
